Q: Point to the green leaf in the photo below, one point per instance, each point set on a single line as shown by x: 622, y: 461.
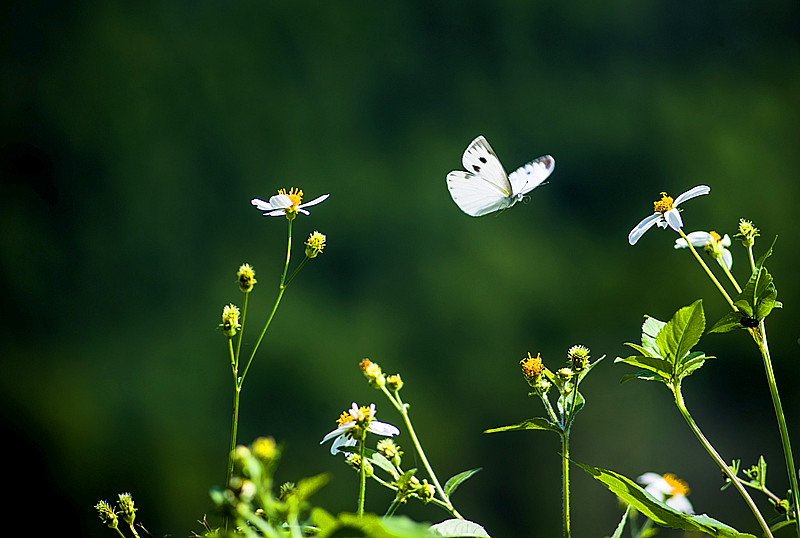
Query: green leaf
x: 368, y: 526
x: 565, y: 403
x: 538, y: 423
x: 656, y: 365
x: 380, y: 460
x: 459, y: 527
x: 659, y: 512
x: 309, y: 486
x: 455, y: 481
x: 729, y: 322
x: 650, y: 329
x: 691, y: 362
x: 643, y: 375
x: 621, y: 526
x: 682, y: 332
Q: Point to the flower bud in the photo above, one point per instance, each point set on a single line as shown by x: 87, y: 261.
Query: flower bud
x: 373, y: 373
x: 394, y: 382
x: 107, y: 514
x: 578, y: 356
x: 315, y: 244
x: 230, y: 320
x: 247, y: 278
x: 127, y: 510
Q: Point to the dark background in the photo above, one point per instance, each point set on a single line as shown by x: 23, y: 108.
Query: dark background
x: 134, y: 135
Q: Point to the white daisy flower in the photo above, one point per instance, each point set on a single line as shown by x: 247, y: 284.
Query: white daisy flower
x: 712, y: 243
x: 665, y: 213
x: 668, y: 489
x: 350, y: 421
x: 286, y: 203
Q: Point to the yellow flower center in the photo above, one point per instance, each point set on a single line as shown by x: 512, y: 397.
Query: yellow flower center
x: 295, y: 195
x: 679, y: 487
x: 532, y: 367
x: 663, y: 205
x: 715, y: 236
x: 344, y: 418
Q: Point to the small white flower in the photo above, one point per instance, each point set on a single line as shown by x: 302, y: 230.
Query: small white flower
x: 357, y: 417
x: 286, y: 203
x: 712, y: 243
x: 668, y: 489
x: 665, y: 213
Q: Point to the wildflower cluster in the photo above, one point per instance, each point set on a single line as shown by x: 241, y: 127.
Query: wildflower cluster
x: 125, y: 509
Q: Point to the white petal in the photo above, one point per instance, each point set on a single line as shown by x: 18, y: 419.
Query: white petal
x: 727, y: 259
x: 650, y: 478
x: 642, y: 227
x: 697, y: 239
x: 338, y: 431
x: 673, y: 218
x: 340, y: 441
x: 691, y: 193
x: 261, y: 204
x: 280, y: 201
x: 315, y: 201
x: 382, y: 428
x: 680, y: 503
x: 726, y: 241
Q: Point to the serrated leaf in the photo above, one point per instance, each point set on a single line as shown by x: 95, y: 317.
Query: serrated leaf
x: 650, y: 329
x: 682, y: 332
x: 654, y: 364
x: 691, y: 362
x: 643, y: 375
x: 656, y: 510
x: 459, y: 527
x: 646, y: 352
x: 537, y: 423
x: 731, y: 321
x: 455, y: 481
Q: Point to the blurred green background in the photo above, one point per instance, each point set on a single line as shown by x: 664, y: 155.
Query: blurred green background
x: 134, y: 135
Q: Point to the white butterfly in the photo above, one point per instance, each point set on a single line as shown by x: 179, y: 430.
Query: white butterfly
x: 485, y: 187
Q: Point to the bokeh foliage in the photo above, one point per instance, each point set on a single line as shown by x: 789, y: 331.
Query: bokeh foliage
x: 135, y: 134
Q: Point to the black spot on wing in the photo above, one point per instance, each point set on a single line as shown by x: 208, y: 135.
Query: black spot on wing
x: 477, y: 168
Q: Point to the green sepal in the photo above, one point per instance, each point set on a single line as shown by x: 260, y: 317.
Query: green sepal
x: 656, y: 510
x: 537, y: 423
x: 455, y: 481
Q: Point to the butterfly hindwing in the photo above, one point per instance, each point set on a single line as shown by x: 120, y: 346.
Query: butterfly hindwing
x: 526, y: 178
x: 474, y: 195
x: 485, y: 187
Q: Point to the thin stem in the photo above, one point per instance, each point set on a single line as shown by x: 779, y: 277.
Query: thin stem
x: 708, y: 271
x: 235, y: 413
x: 565, y: 480
x: 676, y: 390
x: 362, y: 486
x: 730, y: 276
x: 402, y: 409
x: 281, y: 289
x: 760, y: 338
x: 241, y: 332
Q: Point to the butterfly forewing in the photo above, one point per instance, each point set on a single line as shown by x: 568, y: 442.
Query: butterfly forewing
x: 481, y: 160
x: 474, y: 195
x: 526, y: 178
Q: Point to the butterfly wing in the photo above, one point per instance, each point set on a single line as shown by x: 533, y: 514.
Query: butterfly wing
x: 481, y: 160
x: 474, y: 194
x: 526, y: 178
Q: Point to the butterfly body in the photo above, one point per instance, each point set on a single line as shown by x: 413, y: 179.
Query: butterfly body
x: 484, y: 187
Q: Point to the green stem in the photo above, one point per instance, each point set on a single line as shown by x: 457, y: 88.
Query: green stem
x: 362, y: 486
x: 760, y: 338
x: 281, y: 290
x: 708, y: 272
x: 730, y: 276
x: 235, y: 417
x: 565, y: 480
x: 403, y: 410
x: 676, y: 390
x: 393, y: 507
